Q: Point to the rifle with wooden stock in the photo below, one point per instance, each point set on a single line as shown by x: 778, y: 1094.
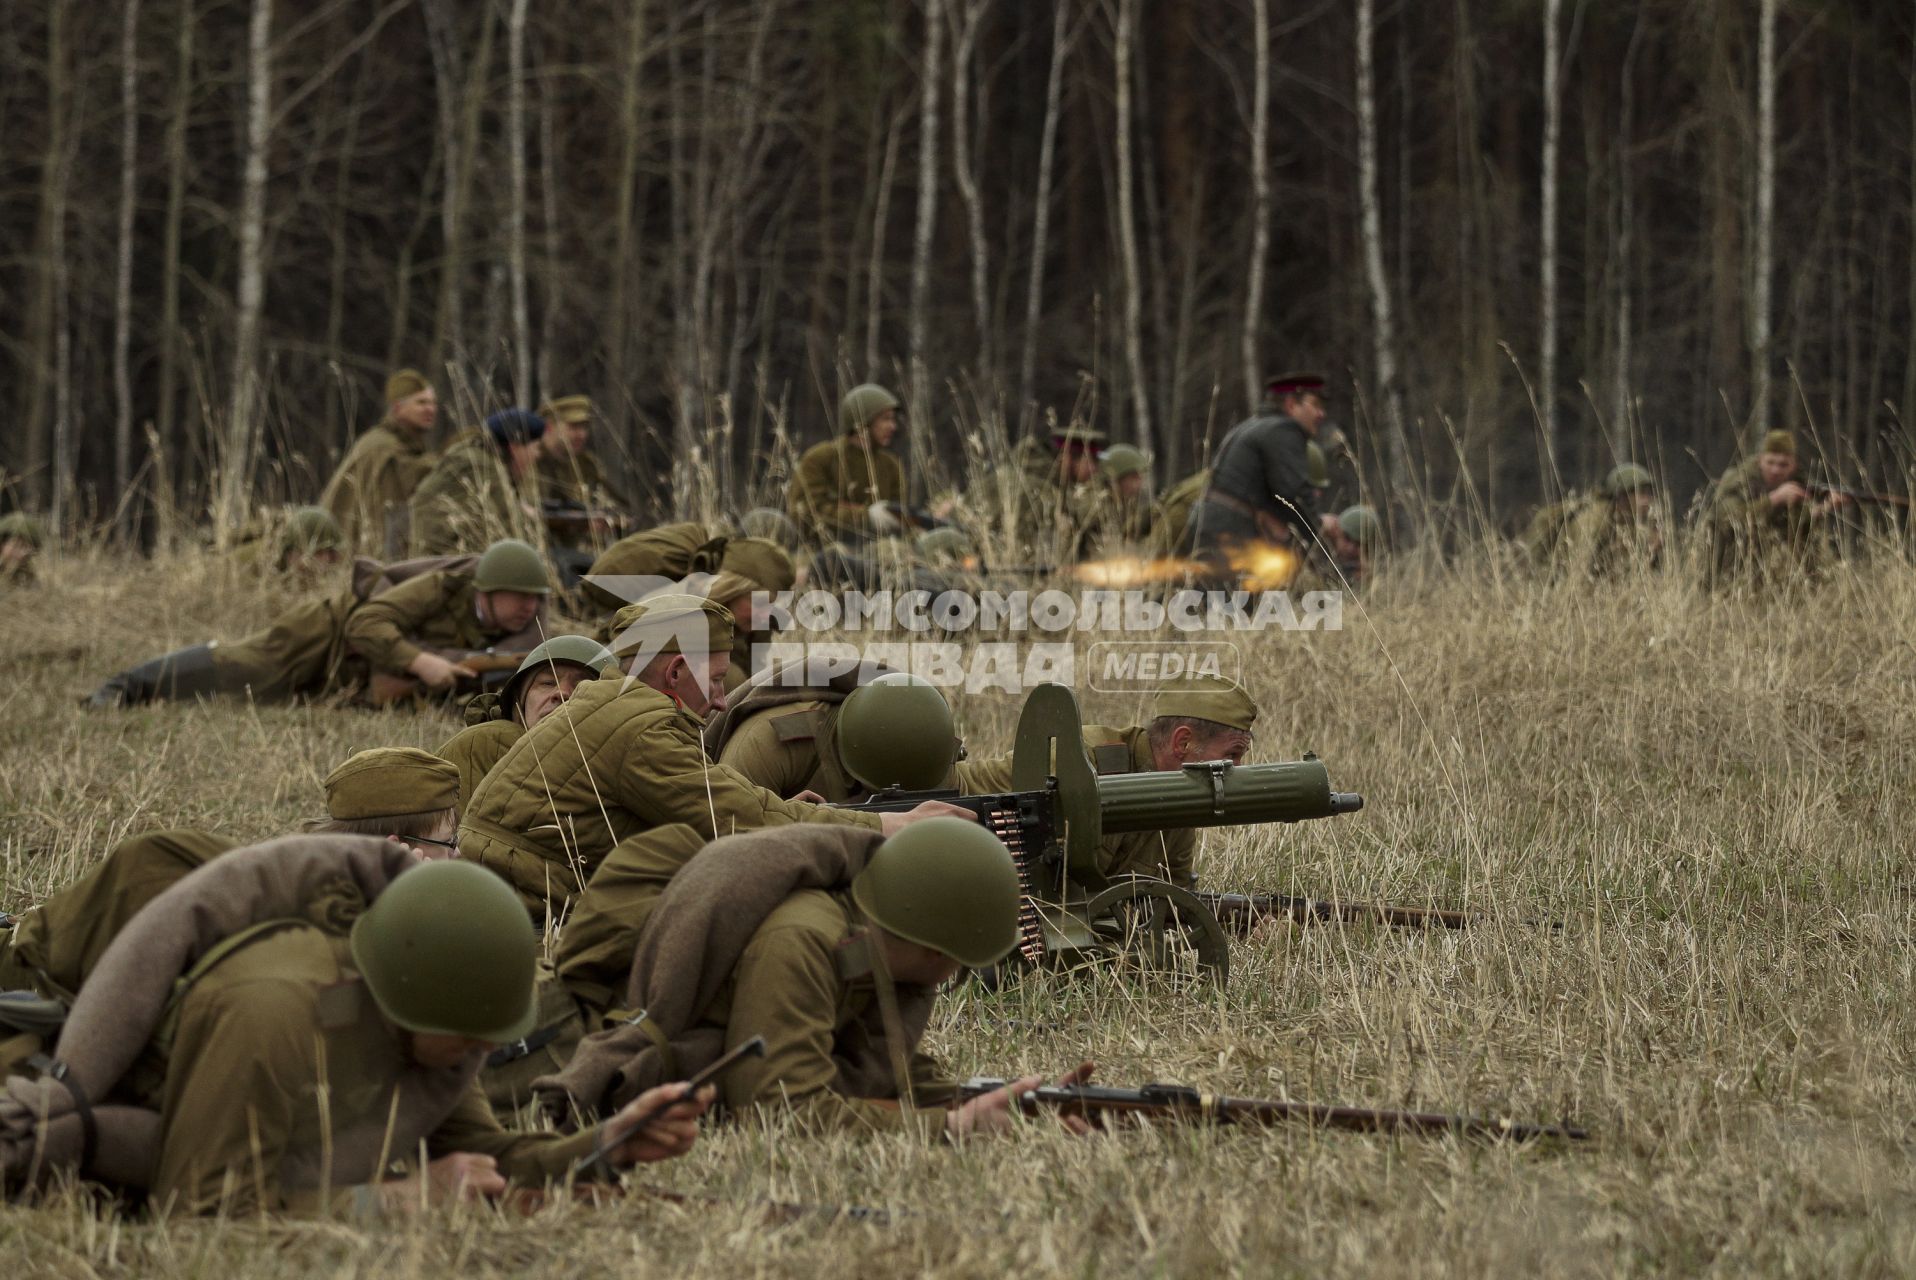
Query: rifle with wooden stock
x: 1102, y: 1105
x: 1863, y: 496
x: 489, y: 669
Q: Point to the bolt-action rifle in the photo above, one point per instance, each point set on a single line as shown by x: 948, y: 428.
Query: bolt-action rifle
x: 1864, y: 496
x: 1102, y: 1105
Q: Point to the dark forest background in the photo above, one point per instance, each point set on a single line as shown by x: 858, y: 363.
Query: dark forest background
x: 223, y: 221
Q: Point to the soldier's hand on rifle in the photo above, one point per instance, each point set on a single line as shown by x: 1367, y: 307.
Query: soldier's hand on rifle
x: 811, y: 797
x: 892, y: 823
x: 883, y: 518
x: 669, y: 1133
x: 991, y: 1112
x: 1831, y: 503
x: 436, y: 672
x: 459, y: 1176
x: 1788, y: 494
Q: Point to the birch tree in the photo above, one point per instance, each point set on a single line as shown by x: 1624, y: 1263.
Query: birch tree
x: 1383, y: 334
x: 1041, y: 204
x: 1260, y: 198
x: 1128, y: 230
x: 1547, y: 268
x: 931, y: 76
x: 964, y: 165
x: 516, y: 203
x: 1763, y: 269
x: 243, y: 399
x: 123, y: 285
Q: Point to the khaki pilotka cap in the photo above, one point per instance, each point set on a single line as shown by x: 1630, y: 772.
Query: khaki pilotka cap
x: 567, y: 409
x: 406, y: 382
x: 1779, y: 441
x: 1204, y: 697
x: 661, y: 623
x: 388, y: 782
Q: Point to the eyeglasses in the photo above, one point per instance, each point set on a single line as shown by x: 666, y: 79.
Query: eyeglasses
x: 443, y: 844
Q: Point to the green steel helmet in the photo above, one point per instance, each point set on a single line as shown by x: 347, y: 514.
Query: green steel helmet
x: 1625, y: 478
x: 1121, y: 460
x: 582, y: 651
x: 770, y: 525
x: 512, y: 565
x: 1316, y: 468
x: 944, y: 546
x: 897, y: 732
x: 946, y: 884
x: 448, y: 950
x: 863, y: 403
x: 311, y: 529
x: 24, y: 527
x: 1361, y: 525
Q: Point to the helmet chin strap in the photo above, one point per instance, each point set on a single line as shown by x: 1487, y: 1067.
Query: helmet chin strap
x: 887, y: 992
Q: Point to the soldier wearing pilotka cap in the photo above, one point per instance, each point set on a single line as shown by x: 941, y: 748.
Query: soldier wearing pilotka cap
x: 1193, y: 718
x: 1260, y: 488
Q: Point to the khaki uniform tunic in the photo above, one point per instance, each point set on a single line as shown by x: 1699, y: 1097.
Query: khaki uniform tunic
x: 836, y: 481
x: 278, y: 1045
x: 617, y: 759
x: 375, y: 480
x: 468, y: 501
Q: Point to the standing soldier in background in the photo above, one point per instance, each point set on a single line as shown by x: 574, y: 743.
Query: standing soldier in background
x: 477, y: 491
x: 1598, y: 534
x: 376, y: 478
x: 21, y: 538
x: 1762, y: 521
x: 1260, y: 488
x: 568, y: 470
x: 851, y: 487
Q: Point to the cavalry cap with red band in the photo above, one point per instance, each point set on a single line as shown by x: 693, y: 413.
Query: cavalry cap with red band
x: 1290, y: 384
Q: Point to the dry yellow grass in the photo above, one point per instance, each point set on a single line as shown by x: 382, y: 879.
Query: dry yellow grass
x: 1711, y: 793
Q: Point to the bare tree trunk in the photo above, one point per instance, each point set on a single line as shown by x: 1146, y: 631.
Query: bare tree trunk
x: 41, y: 456
x: 1622, y: 443
x: 1394, y: 450
x: 1260, y: 198
x: 1547, y: 268
x: 169, y: 434
x: 516, y: 200
x: 1128, y: 229
x: 462, y: 90
x: 123, y: 291
x: 1041, y: 202
x: 1764, y: 266
x: 549, y: 239
x: 964, y: 165
x: 624, y: 256
x: 930, y: 78
x: 243, y: 401
x: 881, y: 218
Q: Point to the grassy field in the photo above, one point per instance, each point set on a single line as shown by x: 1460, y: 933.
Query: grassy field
x: 1712, y: 794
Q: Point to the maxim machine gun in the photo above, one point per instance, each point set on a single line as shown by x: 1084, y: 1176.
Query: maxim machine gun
x: 1059, y: 810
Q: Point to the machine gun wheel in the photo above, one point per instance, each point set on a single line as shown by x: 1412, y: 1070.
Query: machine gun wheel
x: 1165, y: 928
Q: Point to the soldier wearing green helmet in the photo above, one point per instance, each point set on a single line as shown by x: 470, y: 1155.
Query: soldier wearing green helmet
x: 1611, y: 530
x: 810, y: 730
x: 301, y: 1057
x: 548, y: 678
x: 832, y: 945
x: 624, y: 756
x: 1116, y: 511
x: 21, y: 539
x: 850, y: 487
x: 400, y: 631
